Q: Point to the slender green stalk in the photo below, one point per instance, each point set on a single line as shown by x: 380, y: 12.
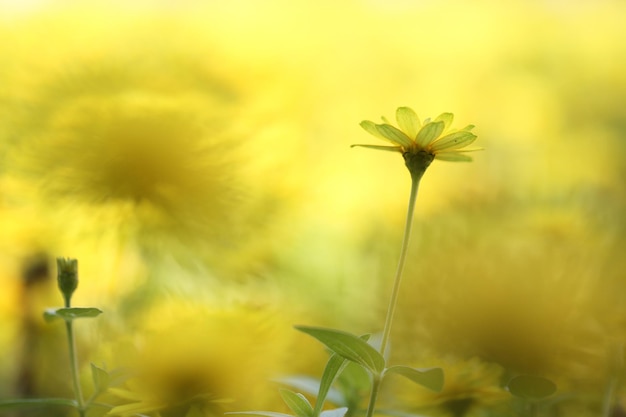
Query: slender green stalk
x: 391, y: 309
x: 373, y: 396
x: 616, y: 361
x: 74, y: 364
x: 393, y: 301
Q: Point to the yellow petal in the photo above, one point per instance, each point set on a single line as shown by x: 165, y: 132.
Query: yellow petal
x: 429, y: 132
x: 408, y: 121
x: 370, y: 127
x: 453, y: 157
x: 380, y: 148
x: 446, y: 118
x: 394, y: 135
x: 453, y: 141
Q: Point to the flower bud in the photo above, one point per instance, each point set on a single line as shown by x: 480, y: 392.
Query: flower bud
x: 67, y: 277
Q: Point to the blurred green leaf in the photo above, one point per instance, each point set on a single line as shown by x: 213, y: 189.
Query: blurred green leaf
x: 337, y: 412
x: 531, y: 387
x: 297, y: 403
x: 101, y: 378
x: 334, y: 366
x: 37, y: 402
x: 260, y: 413
x: 431, y: 378
x: 312, y: 386
x: 349, y: 346
x: 194, y: 411
x: 69, y: 314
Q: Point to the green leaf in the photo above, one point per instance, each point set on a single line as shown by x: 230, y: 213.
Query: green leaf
x: 431, y: 378
x: 260, y: 413
x: 195, y: 411
x: 101, y: 378
x: 334, y: 366
x: 349, y: 346
x: 297, y: 403
x: 531, y: 387
x: 37, y: 402
x: 453, y: 141
x: 70, y: 313
x: 313, y: 386
x: 408, y: 121
x: 428, y: 133
x: 337, y: 412
x: 394, y: 135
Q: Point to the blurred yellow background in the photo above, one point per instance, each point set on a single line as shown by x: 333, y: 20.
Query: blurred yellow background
x: 195, y: 157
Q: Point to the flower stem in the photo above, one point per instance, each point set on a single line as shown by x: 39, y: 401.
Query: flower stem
x: 415, y: 180
x: 74, y: 364
x: 391, y: 309
x: 373, y: 396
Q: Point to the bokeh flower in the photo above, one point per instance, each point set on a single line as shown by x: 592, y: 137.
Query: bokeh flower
x: 470, y: 385
x: 183, y: 355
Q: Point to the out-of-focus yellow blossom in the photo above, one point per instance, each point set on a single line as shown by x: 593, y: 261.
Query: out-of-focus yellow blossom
x: 434, y: 138
x: 185, y: 355
x: 470, y: 385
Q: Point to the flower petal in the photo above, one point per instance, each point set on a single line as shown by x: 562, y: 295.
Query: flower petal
x: 446, y: 118
x: 370, y: 127
x: 453, y: 157
x: 395, y: 135
x: 453, y: 141
x: 428, y: 133
x: 380, y: 148
x: 408, y: 121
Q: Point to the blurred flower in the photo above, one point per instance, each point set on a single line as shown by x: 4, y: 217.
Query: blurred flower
x: 185, y: 355
x: 434, y: 138
x: 469, y: 385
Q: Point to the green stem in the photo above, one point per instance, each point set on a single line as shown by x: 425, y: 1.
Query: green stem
x: 74, y: 364
x: 616, y: 362
x: 373, y: 396
x: 391, y: 309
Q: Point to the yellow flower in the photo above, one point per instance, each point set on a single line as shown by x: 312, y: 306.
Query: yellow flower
x: 419, y: 142
x: 471, y: 386
x: 186, y: 356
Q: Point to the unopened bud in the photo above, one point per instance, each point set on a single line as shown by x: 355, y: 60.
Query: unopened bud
x: 67, y: 277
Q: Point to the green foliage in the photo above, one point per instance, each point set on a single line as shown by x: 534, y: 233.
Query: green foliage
x: 531, y: 388
x: 333, y: 368
x: 297, y: 403
x: 349, y: 346
x: 70, y: 313
x: 431, y: 378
